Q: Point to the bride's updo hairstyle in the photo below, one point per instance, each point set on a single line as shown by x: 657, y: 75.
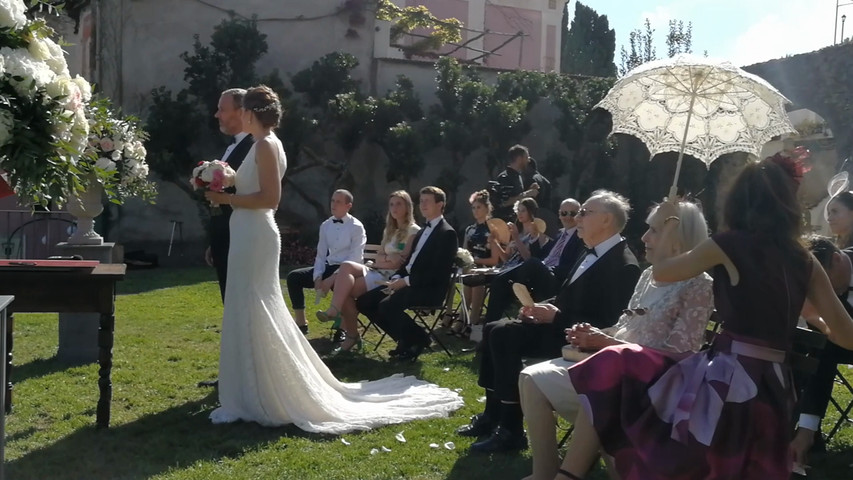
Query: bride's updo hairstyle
x: 264, y: 103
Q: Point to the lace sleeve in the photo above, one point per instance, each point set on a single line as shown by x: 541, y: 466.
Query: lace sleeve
x: 695, y: 304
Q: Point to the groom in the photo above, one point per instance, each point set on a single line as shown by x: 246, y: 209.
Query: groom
x: 229, y: 113
x: 423, y: 281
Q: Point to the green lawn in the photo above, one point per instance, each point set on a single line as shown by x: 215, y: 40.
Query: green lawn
x: 167, y: 339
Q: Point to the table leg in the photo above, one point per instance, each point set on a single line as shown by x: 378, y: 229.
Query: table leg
x: 10, y: 322
x: 105, y: 359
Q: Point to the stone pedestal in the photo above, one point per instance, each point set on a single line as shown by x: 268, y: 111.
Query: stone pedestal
x: 78, y: 332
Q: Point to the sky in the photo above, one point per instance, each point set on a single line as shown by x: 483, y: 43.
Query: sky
x: 741, y: 31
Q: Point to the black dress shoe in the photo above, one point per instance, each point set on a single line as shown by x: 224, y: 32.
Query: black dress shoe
x: 501, y: 441
x: 339, y: 336
x: 303, y: 329
x: 209, y: 383
x: 411, y: 354
x: 480, y: 425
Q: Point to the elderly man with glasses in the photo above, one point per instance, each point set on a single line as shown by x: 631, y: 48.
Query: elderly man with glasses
x: 596, y: 290
x: 542, y: 277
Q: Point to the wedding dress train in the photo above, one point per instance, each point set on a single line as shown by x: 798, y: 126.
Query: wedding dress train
x: 268, y: 372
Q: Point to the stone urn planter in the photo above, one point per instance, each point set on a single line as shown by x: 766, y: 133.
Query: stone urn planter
x: 85, y: 207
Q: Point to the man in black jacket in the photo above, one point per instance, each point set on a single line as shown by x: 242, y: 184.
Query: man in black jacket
x: 595, y: 291
x: 229, y: 113
x: 422, y: 281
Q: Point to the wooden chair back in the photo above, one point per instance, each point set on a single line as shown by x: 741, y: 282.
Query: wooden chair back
x: 371, y: 251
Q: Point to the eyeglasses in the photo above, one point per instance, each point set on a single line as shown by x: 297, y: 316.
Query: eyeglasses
x: 634, y: 311
x: 570, y: 213
x: 585, y: 212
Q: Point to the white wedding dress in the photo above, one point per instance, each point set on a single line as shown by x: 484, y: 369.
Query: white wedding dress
x: 268, y: 372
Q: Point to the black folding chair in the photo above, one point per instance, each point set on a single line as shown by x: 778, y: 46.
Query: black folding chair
x: 844, y: 412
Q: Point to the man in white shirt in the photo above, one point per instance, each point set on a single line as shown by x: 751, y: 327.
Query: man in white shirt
x: 342, y: 239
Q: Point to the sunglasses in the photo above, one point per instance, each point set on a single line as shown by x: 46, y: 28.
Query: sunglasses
x: 570, y: 213
x: 634, y: 311
x: 585, y: 212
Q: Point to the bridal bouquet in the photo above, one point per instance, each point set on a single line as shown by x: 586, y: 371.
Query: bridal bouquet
x: 43, y: 126
x: 115, y: 153
x: 215, y: 175
x: 464, y: 259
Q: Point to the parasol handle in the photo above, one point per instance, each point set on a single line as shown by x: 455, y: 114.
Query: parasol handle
x: 673, y: 190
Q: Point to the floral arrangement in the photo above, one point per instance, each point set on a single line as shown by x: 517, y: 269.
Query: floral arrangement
x: 43, y: 126
x: 464, y: 259
x: 214, y: 175
x: 115, y: 153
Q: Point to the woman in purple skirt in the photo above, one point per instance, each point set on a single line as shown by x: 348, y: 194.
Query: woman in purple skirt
x: 725, y: 413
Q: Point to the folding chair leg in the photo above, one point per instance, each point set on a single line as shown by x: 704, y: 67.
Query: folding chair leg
x: 566, y: 437
x: 843, y: 411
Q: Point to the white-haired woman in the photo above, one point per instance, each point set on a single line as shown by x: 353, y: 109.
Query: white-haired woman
x: 667, y: 316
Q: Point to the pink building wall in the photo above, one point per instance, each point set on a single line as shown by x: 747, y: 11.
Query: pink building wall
x: 523, y: 52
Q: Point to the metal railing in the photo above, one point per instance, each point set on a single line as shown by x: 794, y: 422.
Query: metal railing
x: 29, y: 234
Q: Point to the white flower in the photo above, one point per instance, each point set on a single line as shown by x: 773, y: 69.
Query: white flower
x: 105, y: 164
x: 140, y: 170
x: 116, y: 155
x: 12, y: 13
x: 20, y: 63
x: 7, y: 122
x: 85, y: 88
x: 64, y: 86
x: 39, y: 50
x: 207, y: 174
x: 56, y: 57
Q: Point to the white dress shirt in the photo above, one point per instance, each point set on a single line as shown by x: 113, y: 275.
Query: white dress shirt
x: 600, y: 250
x: 339, y: 242
x: 421, y: 241
x: 237, y: 139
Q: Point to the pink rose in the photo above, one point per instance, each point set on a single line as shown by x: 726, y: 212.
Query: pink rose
x: 216, y: 183
x: 107, y: 144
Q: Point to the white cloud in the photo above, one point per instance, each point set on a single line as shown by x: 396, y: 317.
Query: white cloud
x: 790, y: 28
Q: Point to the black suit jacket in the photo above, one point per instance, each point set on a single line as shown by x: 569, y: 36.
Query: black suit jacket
x: 219, y: 223
x: 433, y: 265
x: 599, y: 295
x: 568, y: 257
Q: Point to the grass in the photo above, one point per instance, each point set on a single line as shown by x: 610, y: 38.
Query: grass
x: 167, y: 339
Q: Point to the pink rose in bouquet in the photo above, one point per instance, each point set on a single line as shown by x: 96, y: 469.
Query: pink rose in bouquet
x: 215, y: 175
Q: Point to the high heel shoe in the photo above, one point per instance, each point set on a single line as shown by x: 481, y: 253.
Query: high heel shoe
x: 350, y: 345
x: 325, y: 317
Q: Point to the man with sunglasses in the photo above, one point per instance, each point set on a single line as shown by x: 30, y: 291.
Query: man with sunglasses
x: 596, y: 290
x: 542, y: 277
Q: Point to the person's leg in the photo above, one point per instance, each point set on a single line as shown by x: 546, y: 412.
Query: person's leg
x: 349, y: 323
x: 342, y: 288
x: 500, y: 296
x: 297, y: 281
x: 476, y: 296
x: 541, y: 428
x: 584, y: 447
x: 483, y: 423
x: 368, y: 305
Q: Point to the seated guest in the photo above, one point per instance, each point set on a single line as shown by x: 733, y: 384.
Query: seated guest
x: 543, y: 277
x: 530, y: 242
x: 353, y: 278
x: 666, y: 316
x: 485, y: 251
x: 422, y: 281
x: 595, y: 292
x: 342, y: 239
x: 818, y: 389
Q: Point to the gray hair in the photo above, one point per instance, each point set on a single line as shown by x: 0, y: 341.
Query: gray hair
x: 614, y: 204
x: 236, y: 94
x: 345, y: 193
x: 692, y: 228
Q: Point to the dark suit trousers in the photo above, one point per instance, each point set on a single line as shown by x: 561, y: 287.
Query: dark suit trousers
x: 819, y: 387
x: 532, y: 273
x: 505, y: 343
x: 388, y: 312
x: 220, y: 240
x: 302, y: 278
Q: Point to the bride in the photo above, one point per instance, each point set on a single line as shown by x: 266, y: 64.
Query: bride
x: 268, y: 372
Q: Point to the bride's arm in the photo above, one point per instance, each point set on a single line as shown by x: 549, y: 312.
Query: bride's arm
x: 269, y: 179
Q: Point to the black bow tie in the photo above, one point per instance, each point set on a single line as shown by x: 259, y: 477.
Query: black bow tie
x: 233, y: 140
x: 427, y: 225
x: 590, y: 251
x: 335, y: 220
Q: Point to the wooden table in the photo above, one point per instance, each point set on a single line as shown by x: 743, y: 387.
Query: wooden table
x: 38, y: 290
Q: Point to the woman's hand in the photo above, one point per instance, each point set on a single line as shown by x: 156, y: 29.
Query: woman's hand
x: 218, y: 198
x: 539, y: 313
x: 513, y: 230
x: 586, y: 337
